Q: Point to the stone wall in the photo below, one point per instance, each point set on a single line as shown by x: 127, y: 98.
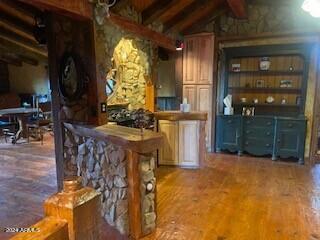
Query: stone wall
x: 102, y: 166
x: 147, y: 191
x: 132, y: 56
x: 269, y: 18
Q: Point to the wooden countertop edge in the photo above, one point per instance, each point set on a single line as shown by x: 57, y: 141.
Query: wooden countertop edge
x: 149, y: 142
x: 181, y: 116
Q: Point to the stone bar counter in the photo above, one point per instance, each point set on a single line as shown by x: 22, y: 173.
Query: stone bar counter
x: 119, y: 163
x: 184, y: 138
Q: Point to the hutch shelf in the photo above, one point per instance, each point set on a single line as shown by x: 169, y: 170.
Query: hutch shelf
x: 271, y: 81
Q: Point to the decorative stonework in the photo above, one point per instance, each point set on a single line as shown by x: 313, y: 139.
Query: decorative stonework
x: 132, y: 66
x: 268, y: 19
x: 147, y: 191
x: 132, y: 58
x: 102, y: 166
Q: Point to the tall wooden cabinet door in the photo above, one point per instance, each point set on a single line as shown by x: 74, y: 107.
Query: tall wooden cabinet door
x: 189, y: 143
x: 204, y: 98
x: 205, y: 61
x: 168, y: 154
x: 190, y: 61
x: 190, y: 92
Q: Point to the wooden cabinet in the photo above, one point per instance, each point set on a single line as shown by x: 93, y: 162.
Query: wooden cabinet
x: 181, y: 143
x: 229, y: 134
x: 204, y: 104
x: 168, y: 154
x: 200, y: 99
x: 198, y: 59
x: 189, y: 143
x: 197, y: 76
x: 190, y: 92
x: 262, y: 135
x: 290, y: 139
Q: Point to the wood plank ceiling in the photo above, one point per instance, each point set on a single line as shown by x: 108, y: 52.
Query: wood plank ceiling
x: 185, y: 16
x: 17, y: 42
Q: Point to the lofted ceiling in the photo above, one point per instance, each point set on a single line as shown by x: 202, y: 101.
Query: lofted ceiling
x: 184, y: 16
x: 17, y: 42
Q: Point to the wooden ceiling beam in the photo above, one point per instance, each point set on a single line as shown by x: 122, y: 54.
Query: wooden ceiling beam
x: 204, y: 21
x: 193, y: 13
x: 11, y: 61
x: 9, y: 9
x: 78, y: 9
x: 22, y: 42
x: 26, y: 9
x: 155, y: 10
x: 158, y: 38
x: 238, y: 8
x: 24, y: 54
x: 175, y: 9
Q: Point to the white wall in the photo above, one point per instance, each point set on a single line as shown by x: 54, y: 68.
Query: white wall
x: 29, y: 79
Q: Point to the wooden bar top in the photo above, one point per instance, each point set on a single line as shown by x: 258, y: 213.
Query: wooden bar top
x: 181, y: 116
x: 129, y: 138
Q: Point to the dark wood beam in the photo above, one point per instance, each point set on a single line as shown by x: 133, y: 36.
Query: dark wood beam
x: 175, y: 9
x: 191, y: 14
x: 78, y: 9
x: 18, y: 40
x: 26, y: 9
x: 11, y: 61
x: 155, y: 10
x: 12, y: 11
x: 5, y: 33
x: 204, y: 21
x: 16, y: 22
x: 11, y: 47
x: 142, y: 31
x: 18, y: 57
x: 238, y: 8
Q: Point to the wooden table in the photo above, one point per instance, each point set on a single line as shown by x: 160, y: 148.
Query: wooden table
x: 21, y: 115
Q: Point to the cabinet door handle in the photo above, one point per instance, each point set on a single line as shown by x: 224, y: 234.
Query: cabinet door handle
x: 248, y: 131
x: 268, y: 133
x: 248, y: 122
x: 246, y: 143
x: 278, y: 141
x: 229, y: 121
x: 268, y: 123
x: 290, y: 125
x: 268, y: 145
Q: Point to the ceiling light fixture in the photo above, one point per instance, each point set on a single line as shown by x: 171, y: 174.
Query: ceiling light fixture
x: 312, y: 7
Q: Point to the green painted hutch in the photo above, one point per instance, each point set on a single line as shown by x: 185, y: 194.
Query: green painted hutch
x: 268, y: 88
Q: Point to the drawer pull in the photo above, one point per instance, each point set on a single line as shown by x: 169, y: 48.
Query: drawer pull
x: 290, y: 125
x: 278, y: 141
x: 248, y: 122
x: 229, y: 121
x: 268, y: 133
x: 248, y: 131
x: 268, y: 123
x: 268, y: 145
x: 246, y: 143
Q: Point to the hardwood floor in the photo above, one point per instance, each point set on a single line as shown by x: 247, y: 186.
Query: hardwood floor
x: 241, y: 198
x: 27, y: 178
x: 237, y: 198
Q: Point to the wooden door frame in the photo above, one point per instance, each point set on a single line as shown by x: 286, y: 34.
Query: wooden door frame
x: 313, y: 157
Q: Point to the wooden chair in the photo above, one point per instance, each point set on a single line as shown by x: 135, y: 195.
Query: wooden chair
x: 41, y: 125
x: 11, y: 132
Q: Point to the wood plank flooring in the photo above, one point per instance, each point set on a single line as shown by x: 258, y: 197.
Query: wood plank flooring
x: 232, y: 198
x: 239, y: 198
x: 27, y: 178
